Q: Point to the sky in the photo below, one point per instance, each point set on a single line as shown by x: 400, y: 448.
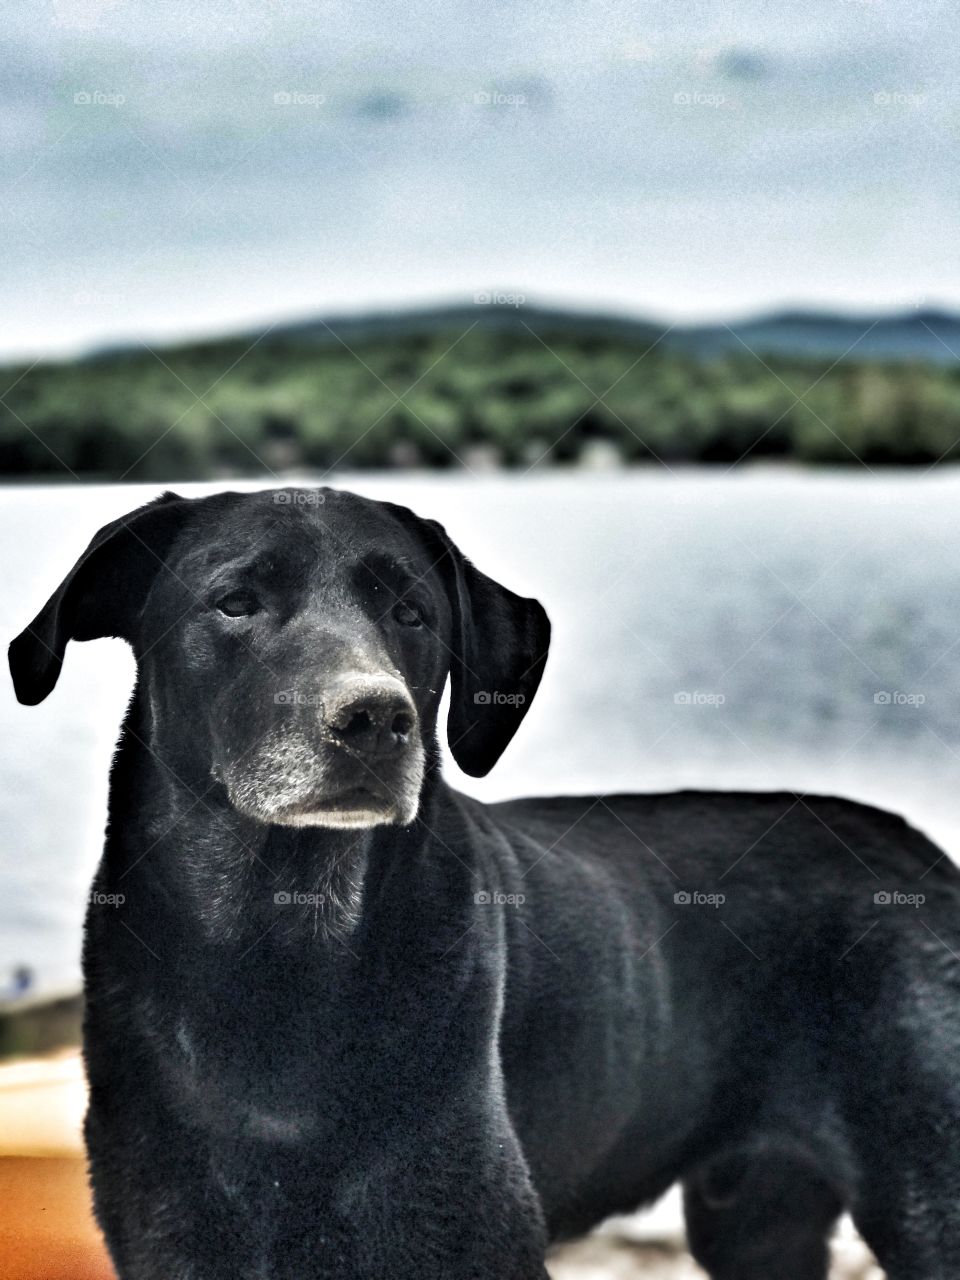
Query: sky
x: 173, y: 170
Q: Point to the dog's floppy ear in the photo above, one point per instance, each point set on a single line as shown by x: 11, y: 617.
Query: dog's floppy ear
x: 499, y: 650
x: 100, y: 596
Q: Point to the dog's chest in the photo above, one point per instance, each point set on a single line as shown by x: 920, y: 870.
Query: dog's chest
x: 245, y: 1087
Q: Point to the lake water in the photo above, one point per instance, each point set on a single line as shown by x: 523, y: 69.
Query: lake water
x: 764, y: 630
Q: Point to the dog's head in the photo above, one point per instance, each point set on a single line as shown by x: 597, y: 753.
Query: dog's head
x: 299, y: 640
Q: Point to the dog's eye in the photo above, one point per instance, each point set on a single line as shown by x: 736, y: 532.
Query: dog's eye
x: 407, y: 614
x: 239, y: 604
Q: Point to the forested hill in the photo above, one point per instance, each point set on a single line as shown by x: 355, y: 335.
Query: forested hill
x: 493, y: 384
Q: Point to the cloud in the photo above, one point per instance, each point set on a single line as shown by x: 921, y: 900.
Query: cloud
x: 667, y: 162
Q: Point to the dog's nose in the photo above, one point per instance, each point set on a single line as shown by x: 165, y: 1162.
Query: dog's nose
x: 372, y: 714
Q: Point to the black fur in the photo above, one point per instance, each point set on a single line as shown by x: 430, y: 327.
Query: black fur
x: 486, y: 1030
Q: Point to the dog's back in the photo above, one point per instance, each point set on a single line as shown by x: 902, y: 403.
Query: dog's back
x: 785, y: 955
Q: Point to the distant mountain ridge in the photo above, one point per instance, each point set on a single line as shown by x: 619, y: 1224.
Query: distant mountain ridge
x: 928, y: 335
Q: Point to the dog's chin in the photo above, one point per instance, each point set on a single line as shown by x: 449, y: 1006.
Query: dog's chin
x: 343, y: 816
x: 355, y: 809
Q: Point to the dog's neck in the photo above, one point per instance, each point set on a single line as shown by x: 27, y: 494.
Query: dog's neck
x: 389, y: 941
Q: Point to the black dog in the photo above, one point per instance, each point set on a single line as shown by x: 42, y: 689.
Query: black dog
x: 344, y: 1022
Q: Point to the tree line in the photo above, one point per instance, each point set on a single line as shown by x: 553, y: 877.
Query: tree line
x: 443, y: 399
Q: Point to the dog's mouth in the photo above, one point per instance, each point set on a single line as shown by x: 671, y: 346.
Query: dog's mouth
x: 355, y: 806
x: 289, y: 783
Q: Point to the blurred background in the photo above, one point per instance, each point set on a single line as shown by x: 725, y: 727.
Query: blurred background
x: 658, y: 311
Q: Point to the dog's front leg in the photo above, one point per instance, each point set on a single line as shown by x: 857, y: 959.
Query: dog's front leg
x: 447, y: 1197
x: 161, y: 1217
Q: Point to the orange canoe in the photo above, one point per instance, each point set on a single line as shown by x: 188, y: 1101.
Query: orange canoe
x: 47, y: 1230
